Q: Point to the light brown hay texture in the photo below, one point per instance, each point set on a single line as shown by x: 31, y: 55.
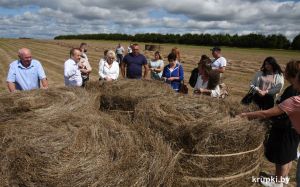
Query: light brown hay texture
x: 126, y: 94
x: 61, y: 139
x: 202, y: 126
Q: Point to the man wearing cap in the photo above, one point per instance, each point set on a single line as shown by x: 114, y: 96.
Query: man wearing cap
x: 26, y: 73
x: 219, y: 63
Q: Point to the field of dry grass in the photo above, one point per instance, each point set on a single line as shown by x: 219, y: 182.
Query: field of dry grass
x: 242, y: 62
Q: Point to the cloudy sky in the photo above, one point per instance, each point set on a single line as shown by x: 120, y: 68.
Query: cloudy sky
x: 48, y: 18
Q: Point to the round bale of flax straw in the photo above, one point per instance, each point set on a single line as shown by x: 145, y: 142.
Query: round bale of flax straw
x: 121, y: 97
x: 217, y: 148
x: 151, y: 47
x: 57, y: 138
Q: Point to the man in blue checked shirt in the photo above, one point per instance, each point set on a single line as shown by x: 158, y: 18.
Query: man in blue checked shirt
x: 26, y: 73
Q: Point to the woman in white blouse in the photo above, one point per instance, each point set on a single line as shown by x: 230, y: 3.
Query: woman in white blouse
x: 109, y: 67
x: 207, y: 79
x: 156, y: 66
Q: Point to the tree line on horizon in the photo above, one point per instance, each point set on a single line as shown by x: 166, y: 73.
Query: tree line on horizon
x: 275, y: 41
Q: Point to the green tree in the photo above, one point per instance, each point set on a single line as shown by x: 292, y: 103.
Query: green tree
x: 296, y: 42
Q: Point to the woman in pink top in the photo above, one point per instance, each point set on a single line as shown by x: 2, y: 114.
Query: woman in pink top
x: 290, y: 106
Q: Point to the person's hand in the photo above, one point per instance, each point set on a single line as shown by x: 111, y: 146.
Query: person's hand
x: 262, y: 93
x: 171, y: 78
x: 108, y: 79
x: 152, y: 69
x: 242, y: 115
x: 80, y: 65
x: 201, y: 90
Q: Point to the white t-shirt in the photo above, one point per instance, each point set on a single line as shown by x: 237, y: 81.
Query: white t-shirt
x: 120, y: 50
x: 200, y: 84
x: 219, y: 63
x: 129, y: 49
x: 156, y: 64
x: 85, y: 56
x: 72, y: 74
x: 108, y: 72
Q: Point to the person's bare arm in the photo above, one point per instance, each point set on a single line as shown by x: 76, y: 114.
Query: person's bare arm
x: 159, y: 69
x: 146, y: 69
x: 11, y: 86
x: 84, y: 71
x: 88, y: 67
x: 123, y: 69
x: 262, y: 114
x: 44, y: 83
x: 205, y: 91
x: 221, y: 70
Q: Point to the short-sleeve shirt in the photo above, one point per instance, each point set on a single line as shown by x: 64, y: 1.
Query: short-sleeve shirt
x: 156, y: 64
x: 291, y: 107
x: 219, y: 63
x: 120, y: 50
x: 134, y: 65
x: 72, y: 75
x: 201, y: 84
x: 26, y: 78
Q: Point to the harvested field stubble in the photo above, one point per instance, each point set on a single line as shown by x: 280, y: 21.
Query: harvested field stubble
x: 59, y: 137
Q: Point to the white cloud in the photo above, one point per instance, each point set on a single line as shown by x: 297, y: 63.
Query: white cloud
x: 93, y: 16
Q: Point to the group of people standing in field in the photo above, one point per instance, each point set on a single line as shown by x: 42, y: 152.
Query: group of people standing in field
x: 134, y: 65
x: 283, y: 112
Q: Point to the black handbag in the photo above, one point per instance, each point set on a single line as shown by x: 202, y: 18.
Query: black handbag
x: 183, y: 87
x: 248, y: 98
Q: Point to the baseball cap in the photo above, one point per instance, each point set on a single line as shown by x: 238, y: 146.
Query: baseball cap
x: 216, y: 49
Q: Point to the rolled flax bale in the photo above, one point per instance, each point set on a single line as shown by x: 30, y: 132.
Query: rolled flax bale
x: 216, y: 146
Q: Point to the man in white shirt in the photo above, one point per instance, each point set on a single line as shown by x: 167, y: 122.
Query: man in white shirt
x: 219, y: 63
x: 72, y: 68
x: 129, y: 49
x: 120, y: 51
